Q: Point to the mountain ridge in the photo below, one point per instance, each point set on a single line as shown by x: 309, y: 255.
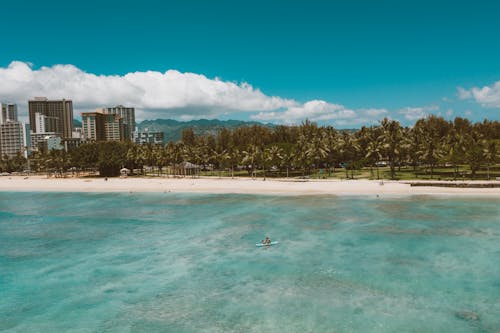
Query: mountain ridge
x: 172, y: 129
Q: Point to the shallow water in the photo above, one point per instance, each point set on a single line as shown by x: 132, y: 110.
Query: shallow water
x: 74, y: 262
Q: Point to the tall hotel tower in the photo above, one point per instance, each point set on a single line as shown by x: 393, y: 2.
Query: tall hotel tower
x: 9, y: 112
x: 14, y: 135
x: 128, y: 116
x: 55, y: 116
x: 103, y: 126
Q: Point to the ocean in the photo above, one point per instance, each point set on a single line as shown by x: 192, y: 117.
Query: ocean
x: 170, y: 262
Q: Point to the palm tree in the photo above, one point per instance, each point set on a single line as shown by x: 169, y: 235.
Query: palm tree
x: 454, y: 148
x: 19, y: 161
x: 374, y: 153
x: 490, y: 154
x: 233, y: 157
x: 302, y: 153
x: 220, y: 157
x: 430, y: 152
x: 412, y: 140
x: 251, y: 155
x: 148, y: 155
x: 274, y: 155
x: 348, y: 148
x: 288, y: 156
x: 180, y: 155
x: 140, y: 157
x: 391, y: 140
x: 433, y: 131
x: 331, y: 142
x: 475, y: 151
x: 204, y: 155
x: 319, y: 149
x: 160, y: 158
x: 175, y: 154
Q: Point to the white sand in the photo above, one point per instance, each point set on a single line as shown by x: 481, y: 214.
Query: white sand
x: 228, y: 185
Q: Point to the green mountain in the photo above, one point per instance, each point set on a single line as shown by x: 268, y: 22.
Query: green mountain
x: 172, y: 129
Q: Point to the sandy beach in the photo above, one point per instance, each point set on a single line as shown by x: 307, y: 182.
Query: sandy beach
x: 237, y: 185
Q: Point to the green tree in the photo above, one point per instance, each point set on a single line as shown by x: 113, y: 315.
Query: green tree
x: 112, y: 157
x: 251, y: 156
x: 348, y: 148
x: 474, y: 155
x: 490, y: 154
x: 391, y: 138
x: 454, y: 150
x: 84, y: 157
x: 319, y: 149
x: 188, y: 137
x: 374, y: 154
x: 275, y: 156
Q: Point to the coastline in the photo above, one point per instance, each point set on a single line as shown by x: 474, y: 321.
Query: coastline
x: 238, y: 186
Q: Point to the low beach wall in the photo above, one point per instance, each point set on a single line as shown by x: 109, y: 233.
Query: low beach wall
x: 457, y: 185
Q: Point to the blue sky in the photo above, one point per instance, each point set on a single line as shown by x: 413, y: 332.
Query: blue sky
x: 347, y: 63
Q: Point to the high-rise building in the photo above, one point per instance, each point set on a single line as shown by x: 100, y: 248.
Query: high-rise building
x: 77, y: 133
x: 14, y: 138
x: 14, y: 135
x: 102, y: 126
x: 39, y: 126
x: 8, y: 112
x: 57, y: 116
x: 93, y: 126
x: 146, y: 136
x: 39, y: 133
x: 53, y: 143
x: 128, y: 117
x: 114, y: 128
x: 38, y: 139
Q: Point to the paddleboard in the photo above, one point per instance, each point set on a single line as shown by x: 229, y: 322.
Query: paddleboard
x: 260, y: 244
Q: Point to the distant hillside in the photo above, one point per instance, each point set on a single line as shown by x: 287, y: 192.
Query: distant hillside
x: 172, y: 129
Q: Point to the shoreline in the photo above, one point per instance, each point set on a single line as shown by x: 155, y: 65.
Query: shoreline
x: 281, y: 186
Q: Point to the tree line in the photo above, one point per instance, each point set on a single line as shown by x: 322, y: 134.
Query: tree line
x: 299, y: 150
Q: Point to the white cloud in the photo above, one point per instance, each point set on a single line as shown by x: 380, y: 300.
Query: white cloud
x: 487, y: 96
x: 324, y: 112
x: 415, y: 113
x: 173, y: 94
x: 377, y: 113
x: 153, y: 93
x: 315, y: 110
x: 463, y: 93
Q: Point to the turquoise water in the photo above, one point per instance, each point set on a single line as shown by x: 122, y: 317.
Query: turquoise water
x: 188, y: 263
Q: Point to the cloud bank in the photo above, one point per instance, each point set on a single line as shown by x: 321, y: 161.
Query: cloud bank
x: 487, y: 96
x: 177, y: 95
x: 415, y: 113
x: 321, y: 111
x: 151, y: 92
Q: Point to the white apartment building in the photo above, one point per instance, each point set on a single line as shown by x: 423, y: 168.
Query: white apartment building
x: 127, y: 115
x: 8, y: 112
x: 14, y: 138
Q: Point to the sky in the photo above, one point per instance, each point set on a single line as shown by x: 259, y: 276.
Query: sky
x: 341, y: 63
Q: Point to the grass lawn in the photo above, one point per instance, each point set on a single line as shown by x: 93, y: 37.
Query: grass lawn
x: 403, y: 173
